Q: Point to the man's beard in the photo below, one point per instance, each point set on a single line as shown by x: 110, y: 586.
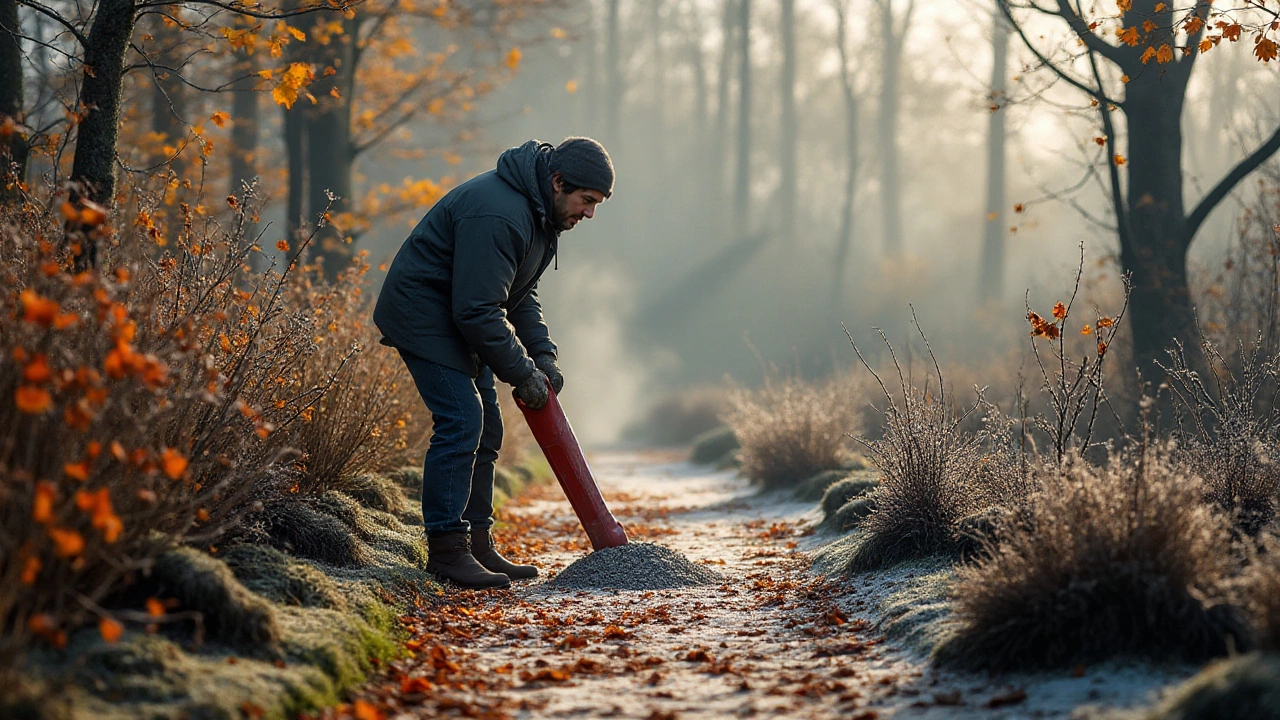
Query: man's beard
x: 560, y: 214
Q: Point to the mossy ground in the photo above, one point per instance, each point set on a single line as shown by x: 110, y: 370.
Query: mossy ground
x: 266, y: 627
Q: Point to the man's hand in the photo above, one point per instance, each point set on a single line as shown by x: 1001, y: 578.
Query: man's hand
x: 546, y: 362
x: 533, y: 391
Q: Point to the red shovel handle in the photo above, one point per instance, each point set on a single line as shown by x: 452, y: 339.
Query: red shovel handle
x: 554, y: 435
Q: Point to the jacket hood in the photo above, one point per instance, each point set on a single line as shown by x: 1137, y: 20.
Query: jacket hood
x: 527, y: 168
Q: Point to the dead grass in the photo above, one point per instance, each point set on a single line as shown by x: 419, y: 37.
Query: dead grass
x: 790, y: 430
x: 929, y: 473
x: 680, y: 417
x: 934, y: 472
x: 1119, y: 560
x: 1229, y: 425
x: 1261, y: 590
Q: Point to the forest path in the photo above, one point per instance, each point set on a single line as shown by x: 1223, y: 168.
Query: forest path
x: 772, y: 640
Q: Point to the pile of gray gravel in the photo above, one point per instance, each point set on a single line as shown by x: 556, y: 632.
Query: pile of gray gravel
x: 635, y: 566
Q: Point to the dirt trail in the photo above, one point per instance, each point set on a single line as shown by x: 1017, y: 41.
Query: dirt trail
x: 772, y: 640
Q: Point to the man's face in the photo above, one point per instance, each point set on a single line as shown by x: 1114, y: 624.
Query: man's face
x: 574, y: 206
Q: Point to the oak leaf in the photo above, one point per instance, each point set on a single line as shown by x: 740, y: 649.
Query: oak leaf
x: 1265, y: 50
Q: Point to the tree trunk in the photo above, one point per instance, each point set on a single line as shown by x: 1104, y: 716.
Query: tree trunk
x: 742, y: 182
x: 94, y: 162
x: 93, y: 166
x: 613, y: 63
x: 13, y: 145
x: 844, y: 241
x: 244, y: 128
x: 295, y: 144
x: 789, y: 129
x: 167, y: 91
x: 991, y: 278
x: 591, y: 82
x: 656, y: 158
x: 245, y: 110
x: 706, y: 176
x: 1157, y: 241
x: 724, y: 80
x: 890, y: 169
x: 701, y: 87
x: 330, y: 153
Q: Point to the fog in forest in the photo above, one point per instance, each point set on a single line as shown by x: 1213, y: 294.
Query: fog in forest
x: 763, y: 199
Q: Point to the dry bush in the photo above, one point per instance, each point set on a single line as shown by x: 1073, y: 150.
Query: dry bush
x: 934, y: 473
x: 1123, y: 559
x: 680, y: 417
x: 158, y: 399
x: 1229, y: 428
x: 358, y: 409
x: 1239, y: 298
x: 790, y: 430
x: 1073, y: 389
x: 1261, y: 591
x: 929, y: 470
x: 125, y: 423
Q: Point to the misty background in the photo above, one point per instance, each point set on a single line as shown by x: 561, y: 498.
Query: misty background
x: 786, y: 166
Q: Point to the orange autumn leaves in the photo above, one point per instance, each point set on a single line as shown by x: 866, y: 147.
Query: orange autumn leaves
x: 1042, y: 328
x: 1191, y: 22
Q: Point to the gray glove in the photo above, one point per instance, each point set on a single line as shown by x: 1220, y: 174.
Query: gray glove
x: 546, y: 362
x: 533, y: 391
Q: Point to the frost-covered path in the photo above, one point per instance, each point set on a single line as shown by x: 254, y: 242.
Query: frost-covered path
x: 770, y: 640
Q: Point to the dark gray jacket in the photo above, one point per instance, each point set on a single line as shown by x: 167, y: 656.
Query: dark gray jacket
x: 461, y: 291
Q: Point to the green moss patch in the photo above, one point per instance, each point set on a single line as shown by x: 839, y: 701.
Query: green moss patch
x: 714, y: 446
x: 286, y: 618
x: 1246, y: 687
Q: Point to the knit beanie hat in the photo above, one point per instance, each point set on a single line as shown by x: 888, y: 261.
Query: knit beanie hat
x: 585, y: 163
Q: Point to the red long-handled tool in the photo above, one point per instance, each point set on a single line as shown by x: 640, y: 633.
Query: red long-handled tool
x: 552, y: 431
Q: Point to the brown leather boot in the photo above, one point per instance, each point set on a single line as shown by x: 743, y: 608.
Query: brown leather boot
x: 449, y: 558
x: 483, y: 550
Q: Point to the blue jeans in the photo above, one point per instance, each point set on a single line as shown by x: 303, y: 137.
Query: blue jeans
x: 457, y: 477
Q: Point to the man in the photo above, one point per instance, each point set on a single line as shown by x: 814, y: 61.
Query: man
x: 460, y: 305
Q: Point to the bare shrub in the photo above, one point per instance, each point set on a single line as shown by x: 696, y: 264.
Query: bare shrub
x: 680, y: 417
x: 1239, y: 298
x: 934, y: 472
x: 1261, y: 590
x: 1229, y: 427
x: 359, y: 408
x: 790, y: 430
x: 1123, y: 559
x: 929, y: 467
x: 1074, y: 388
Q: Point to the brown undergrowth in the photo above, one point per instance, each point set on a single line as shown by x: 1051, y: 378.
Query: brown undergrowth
x: 1118, y: 559
x: 790, y: 430
x: 162, y: 397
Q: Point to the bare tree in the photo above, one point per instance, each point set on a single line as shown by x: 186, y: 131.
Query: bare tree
x: 742, y: 179
x: 613, y: 74
x: 991, y: 277
x: 788, y: 127
x: 893, y: 33
x: 1141, y: 76
x: 844, y: 240
x: 724, y: 82
x: 13, y: 146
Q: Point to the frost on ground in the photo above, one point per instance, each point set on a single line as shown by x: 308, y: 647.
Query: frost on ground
x: 776, y: 636
x: 635, y: 566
